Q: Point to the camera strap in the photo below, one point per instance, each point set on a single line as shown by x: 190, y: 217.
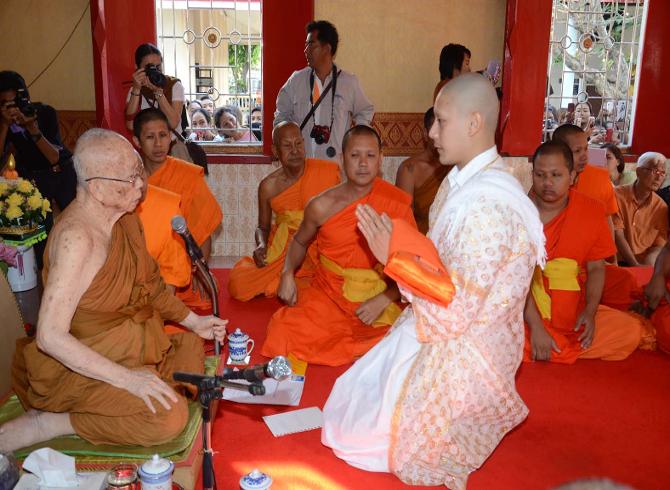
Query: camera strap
x: 331, y: 85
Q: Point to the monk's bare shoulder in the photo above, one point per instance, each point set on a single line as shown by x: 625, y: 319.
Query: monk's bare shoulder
x: 270, y: 186
x: 328, y: 203
x: 75, y: 245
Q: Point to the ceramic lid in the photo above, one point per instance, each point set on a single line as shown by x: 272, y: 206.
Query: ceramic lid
x: 256, y: 480
x: 238, y: 336
x: 156, y: 465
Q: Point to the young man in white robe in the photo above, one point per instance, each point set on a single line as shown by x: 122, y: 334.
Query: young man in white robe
x: 434, y: 398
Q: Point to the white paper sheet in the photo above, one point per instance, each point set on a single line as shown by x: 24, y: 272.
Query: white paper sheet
x: 294, y: 421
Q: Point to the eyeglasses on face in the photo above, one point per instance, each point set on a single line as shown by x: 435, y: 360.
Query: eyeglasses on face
x: 130, y: 181
x: 656, y: 172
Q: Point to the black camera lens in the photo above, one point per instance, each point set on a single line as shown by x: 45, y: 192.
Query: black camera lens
x: 155, y: 76
x: 23, y: 104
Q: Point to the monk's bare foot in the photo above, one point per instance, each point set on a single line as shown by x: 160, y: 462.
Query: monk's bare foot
x: 33, y: 427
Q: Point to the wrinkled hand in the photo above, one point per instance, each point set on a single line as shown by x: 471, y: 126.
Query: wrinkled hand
x: 542, y: 344
x: 588, y: 320
x: 655, y: 291
x: 210, y: 327
x: 260, y: 255
x: 144, y: 384
x: 376, y: 230
x: 288, y: 291
x: 370, y: 310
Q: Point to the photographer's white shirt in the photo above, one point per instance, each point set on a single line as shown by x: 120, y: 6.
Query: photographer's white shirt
x: 177, y: 94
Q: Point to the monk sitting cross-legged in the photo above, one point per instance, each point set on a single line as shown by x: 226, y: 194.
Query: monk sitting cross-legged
x: 349, y: 305
x: 197, y: 203
x: 620, y: 289
x: 421, y: 175
x: 564, y: 318
x: 101, y: 366
x: 285, y: 192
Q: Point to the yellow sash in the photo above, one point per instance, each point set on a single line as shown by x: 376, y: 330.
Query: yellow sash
x: 362, y: 284
x: 285, y: 222
x: 562, y: 275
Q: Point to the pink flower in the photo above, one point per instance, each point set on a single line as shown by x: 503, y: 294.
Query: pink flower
x: 8, y: 254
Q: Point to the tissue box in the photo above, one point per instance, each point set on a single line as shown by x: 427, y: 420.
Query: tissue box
x: 87, y: 481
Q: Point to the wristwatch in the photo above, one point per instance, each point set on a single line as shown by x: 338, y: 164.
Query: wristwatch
x: 36, y: 137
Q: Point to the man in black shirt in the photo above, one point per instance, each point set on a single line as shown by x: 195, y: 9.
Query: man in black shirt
x: 32, y: 135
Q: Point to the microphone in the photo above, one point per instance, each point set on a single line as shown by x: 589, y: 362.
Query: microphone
x: 209, y: 383
x: 179, y: 226
x: 279, y: 368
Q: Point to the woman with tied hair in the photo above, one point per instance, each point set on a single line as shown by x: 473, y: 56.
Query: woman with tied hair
x: 229, y: 121
x: 616, y: 164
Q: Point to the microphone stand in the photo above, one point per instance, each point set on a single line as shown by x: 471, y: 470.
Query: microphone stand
x: 203, y: 271
x: 209, y: 389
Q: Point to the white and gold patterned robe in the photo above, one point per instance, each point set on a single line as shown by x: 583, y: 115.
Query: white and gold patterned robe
x: 434, y: 398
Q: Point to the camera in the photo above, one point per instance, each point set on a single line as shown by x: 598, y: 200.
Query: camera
x: 155, y: 76
x: 23, y: 104
x: 321, y: 134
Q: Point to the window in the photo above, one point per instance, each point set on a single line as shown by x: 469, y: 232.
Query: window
x: 215, y: 48
x: 593, y: 64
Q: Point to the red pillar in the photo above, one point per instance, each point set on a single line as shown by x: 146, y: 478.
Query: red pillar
x: 118, y: 27
x: 650, y: 129
x: 527, y: 27
x: 283, y: 43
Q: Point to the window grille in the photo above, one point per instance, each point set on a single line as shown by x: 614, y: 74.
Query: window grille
x: 594, y: 52
x: 215, y: 48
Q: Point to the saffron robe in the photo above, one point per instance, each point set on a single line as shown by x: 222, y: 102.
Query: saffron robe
x: 322, y: 327
x: 164, y: 245
x: 246, y: 279
x: 198, y: 206
x: 424, y: 195
x: 433, y: 399
x: 620, y: 288
x: 580, y: 233
x: 120, y: 316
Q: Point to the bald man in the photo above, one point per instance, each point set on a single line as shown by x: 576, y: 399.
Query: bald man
x: 101, y: 366
x: 434, y: 398
x: 284, y: 193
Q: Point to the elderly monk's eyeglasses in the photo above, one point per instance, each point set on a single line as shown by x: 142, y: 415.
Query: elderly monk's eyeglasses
x: 130, y: 181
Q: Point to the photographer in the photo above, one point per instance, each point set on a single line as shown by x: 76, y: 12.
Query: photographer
x: 30, y: 131
x: 343, y: 99
x: 151, y: 88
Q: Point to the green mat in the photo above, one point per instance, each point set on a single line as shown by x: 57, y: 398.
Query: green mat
x: 176, y: 449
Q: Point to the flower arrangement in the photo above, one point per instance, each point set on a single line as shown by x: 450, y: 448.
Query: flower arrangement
x: 22, y: 207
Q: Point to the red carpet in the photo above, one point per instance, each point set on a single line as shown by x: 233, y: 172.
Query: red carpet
x: 593, y: 418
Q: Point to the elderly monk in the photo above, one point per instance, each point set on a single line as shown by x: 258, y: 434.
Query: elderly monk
x: 100, y: 365
x: 284, y: 193
x: 421, y: 175
x: 350, y: 304
x: 657, y: 293
x: 641, y: 224
x: 564, y: 318
x: 620, y: 288
x: 433, y: 399
x: 197, y: 203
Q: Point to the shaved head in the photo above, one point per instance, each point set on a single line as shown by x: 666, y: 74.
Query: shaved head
x: 99, y: 150
x: 466, y: 116
x: 280, y: 129
x: 472, y: 93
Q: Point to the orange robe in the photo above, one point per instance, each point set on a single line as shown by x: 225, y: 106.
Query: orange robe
x: 246, y: 279
x: 163, y: 244
x: 580, y: 233
x: 120, y: 316
x: 322, y: 327
x: 424, y: 195
x: 198, y: 206
x: 620, y: 288
x: 661, y: 321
